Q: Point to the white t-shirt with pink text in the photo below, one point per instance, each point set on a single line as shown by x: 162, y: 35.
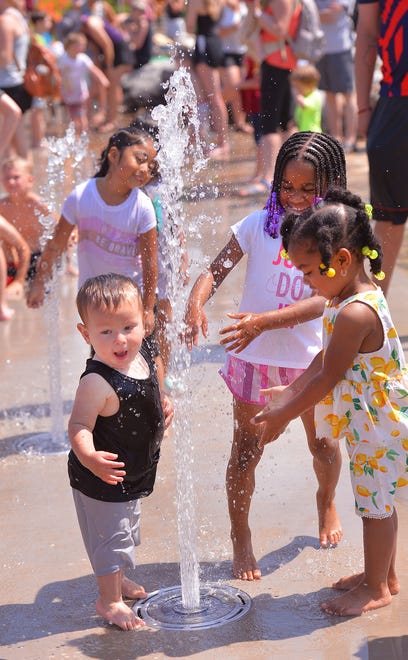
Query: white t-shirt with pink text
x: 108, y: 236
x: 272, y: 283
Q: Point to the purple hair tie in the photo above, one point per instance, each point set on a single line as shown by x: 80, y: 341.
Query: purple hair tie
x: 275, y: 212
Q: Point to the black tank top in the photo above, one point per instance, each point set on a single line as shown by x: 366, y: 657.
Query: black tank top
x: 205, y: 25
x: 134, y: 433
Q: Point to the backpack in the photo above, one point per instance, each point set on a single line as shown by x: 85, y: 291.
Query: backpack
x: 308, y: 43
x: 41, y: 77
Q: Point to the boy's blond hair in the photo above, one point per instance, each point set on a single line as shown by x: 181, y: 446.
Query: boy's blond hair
x: 105, y: 292
x: 74, y: 38
x: 17, y: 161
x: 306, y: 74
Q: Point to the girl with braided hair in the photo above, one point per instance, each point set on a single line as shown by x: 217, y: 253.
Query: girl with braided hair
x: 358, y: 383
x: 272, y: 347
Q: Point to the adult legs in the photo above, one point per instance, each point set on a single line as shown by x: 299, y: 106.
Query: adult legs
x: 210, y: 82
x: 10, y: 115
x: 326, y: 464
x: 390, y: 237
x: 240, y: 485
x: 115, y: 96
x: 230, y: 81
x: 334, y: 106
x: 350, y: 121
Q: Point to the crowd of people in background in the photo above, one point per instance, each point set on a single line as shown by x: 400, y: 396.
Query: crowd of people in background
x: 247, y: 80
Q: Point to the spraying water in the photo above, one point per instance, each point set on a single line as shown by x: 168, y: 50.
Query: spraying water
x: 207, y: 605
x: 61, y: 152
x: 178, y: 134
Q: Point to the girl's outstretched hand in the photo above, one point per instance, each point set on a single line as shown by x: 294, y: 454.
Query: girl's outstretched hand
x: 241, y: 333
x: 271, y: 415
x: 194, y: 319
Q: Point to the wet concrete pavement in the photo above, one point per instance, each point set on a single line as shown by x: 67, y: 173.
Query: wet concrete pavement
x: 47, y: 590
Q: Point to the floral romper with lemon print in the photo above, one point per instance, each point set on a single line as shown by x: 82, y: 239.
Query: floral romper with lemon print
x: 369, y: 407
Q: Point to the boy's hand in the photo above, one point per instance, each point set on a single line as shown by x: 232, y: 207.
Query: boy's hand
x: 104, y: 465
x: 242, y: 332
x: 168, y: 410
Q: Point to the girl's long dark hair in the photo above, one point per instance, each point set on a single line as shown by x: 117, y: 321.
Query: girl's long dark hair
x: 124, y: 137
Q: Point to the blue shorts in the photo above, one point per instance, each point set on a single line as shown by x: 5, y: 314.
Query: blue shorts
x: 336, y: 72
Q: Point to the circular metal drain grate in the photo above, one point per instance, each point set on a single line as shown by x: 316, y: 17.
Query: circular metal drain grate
x: 41, y: 443
x: 218, y: 605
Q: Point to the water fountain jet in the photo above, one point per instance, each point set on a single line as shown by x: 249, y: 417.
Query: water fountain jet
x: 60, y: 151
x: 190, y: 605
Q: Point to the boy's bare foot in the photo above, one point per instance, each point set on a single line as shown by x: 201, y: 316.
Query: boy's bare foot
x: 119, y: 614
x: 330, y: 531
x: 356, y: 601
x: 131, y: 590
x: 6, y: 313
x: 353, y: 581
x: 245, y: 566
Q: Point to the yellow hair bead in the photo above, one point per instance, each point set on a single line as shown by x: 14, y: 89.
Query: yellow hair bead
x: 322, y: 267
x: 380, y: 275
x: 369, y: 210
x: 373, y: 254
x: 284, y: 254
x: 365, y: 251
x: 331, y: 272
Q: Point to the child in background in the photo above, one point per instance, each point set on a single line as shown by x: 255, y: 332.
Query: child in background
x: 358, y: 383
x: 42, y: 34
x: 11, y: 239
x: 116, y: 428
x: 24, y: 209
x: 308, y: 110
x: 76, y: 68
x: 116, y: 222
x: 306, y: 164
x: 251, y: 102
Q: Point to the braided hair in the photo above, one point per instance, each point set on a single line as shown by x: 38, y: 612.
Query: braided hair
x: 123, y: 138
x: 340, y: 221
x: 326, y: 155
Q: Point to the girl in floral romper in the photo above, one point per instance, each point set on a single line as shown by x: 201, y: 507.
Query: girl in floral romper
x: 360, y: 380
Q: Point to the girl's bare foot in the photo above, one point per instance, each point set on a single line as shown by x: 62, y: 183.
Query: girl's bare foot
x: 356, y: 601
x: 353, y: 581
x: 6, y: 313
x: 131, y: 590
x: 245, y: 566
x: 330, y: 531
x: 119, y: 614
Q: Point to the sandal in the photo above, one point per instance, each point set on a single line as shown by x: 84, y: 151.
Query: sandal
x: 252, y: 189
